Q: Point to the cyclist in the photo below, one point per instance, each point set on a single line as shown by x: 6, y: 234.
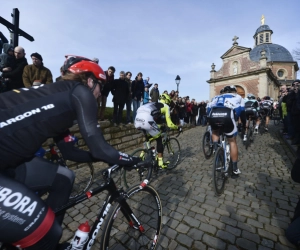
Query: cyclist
x: 29, y: 116
x: 266, y: 106
x: 149, y: 116
x: 251, y: 109
x: 224, y: 110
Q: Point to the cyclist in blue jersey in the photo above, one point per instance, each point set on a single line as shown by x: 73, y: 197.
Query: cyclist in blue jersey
x: 251, y: 110
x: 225, y: 109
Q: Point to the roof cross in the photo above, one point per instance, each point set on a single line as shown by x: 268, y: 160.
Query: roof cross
x: 234, y: 39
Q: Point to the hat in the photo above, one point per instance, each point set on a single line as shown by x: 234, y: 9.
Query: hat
x: 95, y: 59
x: 11, y: 49
x: 148, y: 85
x: 37, y: 55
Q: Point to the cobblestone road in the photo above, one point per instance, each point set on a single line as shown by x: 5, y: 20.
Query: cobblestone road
x: 253, y: 212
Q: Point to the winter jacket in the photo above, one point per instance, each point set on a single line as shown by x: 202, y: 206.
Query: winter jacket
x: 32, y: 73
x: 119, y: 89
x: 7, y: 60
x: 137, y: 89
x: 146, y: 97
x: 154, y: 94
x: 15, y: 76
x: 129, y: 88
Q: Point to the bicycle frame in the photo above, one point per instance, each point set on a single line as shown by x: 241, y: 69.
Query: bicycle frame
x: 114, y: 194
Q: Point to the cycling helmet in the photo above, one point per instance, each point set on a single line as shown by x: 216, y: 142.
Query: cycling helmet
x: 165, y: 98
x: 251, y: 96
x: 230, y: 89
x: 78, y: 64
x: 221, y: 91
x: 267, y: 98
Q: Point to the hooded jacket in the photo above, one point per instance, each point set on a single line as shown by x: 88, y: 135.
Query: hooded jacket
x: 7, y: 60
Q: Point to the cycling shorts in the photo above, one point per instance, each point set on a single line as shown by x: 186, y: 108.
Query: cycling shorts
x: 223, y: 118
x: 250, y: 112
x: 266, y: 111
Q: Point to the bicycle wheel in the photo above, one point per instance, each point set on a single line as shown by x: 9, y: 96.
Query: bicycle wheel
x: 171, y: 152
x: 146, y: 206
x: 262, y: 126
x: 276, y: 117
x: 135, y: 176
x: 84, y: 174
x: 249, y: 135
x: 219, y: 178
x: 206, y: 146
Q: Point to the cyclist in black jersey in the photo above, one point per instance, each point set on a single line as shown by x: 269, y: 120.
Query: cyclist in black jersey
x: 29, y: 116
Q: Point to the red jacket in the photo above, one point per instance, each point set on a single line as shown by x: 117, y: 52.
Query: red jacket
x: 189, y: 107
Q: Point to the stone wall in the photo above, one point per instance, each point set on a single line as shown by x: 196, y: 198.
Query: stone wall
x: 123, y: 138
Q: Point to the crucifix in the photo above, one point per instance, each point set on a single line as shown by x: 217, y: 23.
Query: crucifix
x: 234, y: 39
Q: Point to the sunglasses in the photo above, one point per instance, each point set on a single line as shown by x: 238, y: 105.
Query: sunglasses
x: 101, y: 84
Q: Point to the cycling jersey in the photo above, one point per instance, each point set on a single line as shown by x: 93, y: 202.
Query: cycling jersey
x: 251, y: 107
x: 29, y: 116
x: 224, y: 110
x: 150, y: 114
x: 266, y: 106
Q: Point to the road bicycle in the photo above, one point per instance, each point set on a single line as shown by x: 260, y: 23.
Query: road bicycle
x: 84, y: 172
x: 262, y: 116
x: 276, y: 116
x: 207, y: 143
x: 250, y: 131
x: 171, y: 153
x: 132, y: 218
x: 222, y: 167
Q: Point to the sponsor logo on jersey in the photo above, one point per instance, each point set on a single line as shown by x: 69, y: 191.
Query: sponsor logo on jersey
x: 139, y: 120
x: 17, y: 201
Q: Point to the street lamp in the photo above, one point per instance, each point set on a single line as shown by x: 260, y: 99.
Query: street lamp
x: 177, y: 80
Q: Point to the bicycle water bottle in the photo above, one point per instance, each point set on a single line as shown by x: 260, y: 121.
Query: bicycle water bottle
x: 81, y: 236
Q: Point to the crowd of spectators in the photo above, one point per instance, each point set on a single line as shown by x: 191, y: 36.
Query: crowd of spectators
x: 16, y: 73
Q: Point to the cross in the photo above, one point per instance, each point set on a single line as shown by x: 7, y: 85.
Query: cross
x: 234, y: 39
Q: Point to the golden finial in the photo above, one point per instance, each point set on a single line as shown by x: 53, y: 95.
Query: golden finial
x: 262, y: 20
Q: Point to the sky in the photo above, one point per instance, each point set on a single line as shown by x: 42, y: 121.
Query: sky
x: 160, y: 38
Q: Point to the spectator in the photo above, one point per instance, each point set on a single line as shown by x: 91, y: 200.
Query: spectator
x: 106, y: 89
x: 57, y: 79
x: 7, y: 58
x: 146, y: 81
x: 129, y: 100
x: 174, y: 110
x: 182, y: 110
x: 292, y: 111
x: 36, y: 72
x: 7, y: 63
x: 295, y: 111
x: 119, y: 90
x: 194, y: 112
x: 166, y: 92
x: 146, y: 95
x: 154, y: 93
x: 15, y: 75
x: 172, y: 94
x: 202, y: 114
x: 137, y: 89
x: 188, y: 109
x: 96, y: 60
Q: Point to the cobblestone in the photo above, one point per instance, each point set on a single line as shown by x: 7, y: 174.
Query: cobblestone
x: 252, y: 213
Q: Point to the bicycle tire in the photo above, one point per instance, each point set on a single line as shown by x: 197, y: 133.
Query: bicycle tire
x: 218, y: 172
x: 206, y: 145
x: 84, y: 175
x: 247, y: 144
x: 146, y: 206
x: 262, y: 126
x: 136, y: 176
x: 172, y: 154
x: 276, y: 117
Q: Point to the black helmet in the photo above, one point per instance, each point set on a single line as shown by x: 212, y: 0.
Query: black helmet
x: 221, y: 91
x: 251, y: 96
x: 267, y: 98
x: 229, y: 89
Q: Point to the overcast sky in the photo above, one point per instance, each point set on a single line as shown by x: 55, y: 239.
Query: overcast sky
x: 160, y: 38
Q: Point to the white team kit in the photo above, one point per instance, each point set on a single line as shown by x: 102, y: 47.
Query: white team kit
x: 223, y: 109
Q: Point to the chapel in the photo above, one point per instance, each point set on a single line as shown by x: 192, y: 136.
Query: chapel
x: 259, y: 71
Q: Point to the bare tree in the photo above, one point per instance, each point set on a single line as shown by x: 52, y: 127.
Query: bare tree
x: 296, y: 53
